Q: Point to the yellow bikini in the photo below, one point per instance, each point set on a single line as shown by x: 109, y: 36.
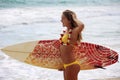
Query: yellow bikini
x: 72, y: 63
x: 65, y: 39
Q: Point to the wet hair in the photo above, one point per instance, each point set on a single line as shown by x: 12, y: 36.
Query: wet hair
x: 71, y: 16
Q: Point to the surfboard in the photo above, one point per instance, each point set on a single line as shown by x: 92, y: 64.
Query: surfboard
x: 46, y: 53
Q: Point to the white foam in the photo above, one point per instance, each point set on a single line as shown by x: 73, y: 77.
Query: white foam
x: 35, y: 23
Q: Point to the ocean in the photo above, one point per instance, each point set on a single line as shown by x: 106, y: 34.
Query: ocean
x: 29, y: 20
x: 21, y: 3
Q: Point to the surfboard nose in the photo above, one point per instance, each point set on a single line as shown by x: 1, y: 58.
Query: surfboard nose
x: 19, y: 51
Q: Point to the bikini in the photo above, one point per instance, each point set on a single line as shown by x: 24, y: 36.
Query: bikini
x: 65, y: 40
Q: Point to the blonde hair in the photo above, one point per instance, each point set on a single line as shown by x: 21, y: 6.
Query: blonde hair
x: 71, y: 16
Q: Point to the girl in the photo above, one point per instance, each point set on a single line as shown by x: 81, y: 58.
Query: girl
x: 71, y: 37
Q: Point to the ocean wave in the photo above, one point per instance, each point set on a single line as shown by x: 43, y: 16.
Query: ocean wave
x: 16, y: 3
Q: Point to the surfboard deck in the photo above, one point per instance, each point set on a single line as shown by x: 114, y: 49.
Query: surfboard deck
x: 46, y: 53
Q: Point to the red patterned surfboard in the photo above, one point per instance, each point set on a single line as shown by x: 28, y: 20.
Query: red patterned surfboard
x: 45, y: 53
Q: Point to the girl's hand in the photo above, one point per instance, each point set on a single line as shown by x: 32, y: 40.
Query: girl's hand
x: 61, y: 69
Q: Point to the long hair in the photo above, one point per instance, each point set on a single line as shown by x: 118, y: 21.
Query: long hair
x: 71, y: 16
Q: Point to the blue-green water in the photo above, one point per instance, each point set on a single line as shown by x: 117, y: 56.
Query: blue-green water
x: 22, y: 3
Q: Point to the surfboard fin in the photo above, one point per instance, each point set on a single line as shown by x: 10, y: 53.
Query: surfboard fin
x: 97, y: 66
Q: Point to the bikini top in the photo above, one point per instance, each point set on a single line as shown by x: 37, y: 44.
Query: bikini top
x: 65, y: 37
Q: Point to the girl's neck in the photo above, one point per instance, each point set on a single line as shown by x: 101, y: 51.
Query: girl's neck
x: 69, y: 28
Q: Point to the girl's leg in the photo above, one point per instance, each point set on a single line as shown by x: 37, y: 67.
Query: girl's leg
x: 71, y: 72
x: 64, y: 75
